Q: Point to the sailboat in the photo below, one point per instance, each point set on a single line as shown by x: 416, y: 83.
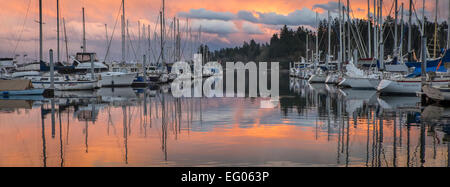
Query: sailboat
x: 320, y: 73
x: 358, y: 79
x: 439, y: 92
x: 106, y: 78
x: 41, y: 80
x: 412, y: 84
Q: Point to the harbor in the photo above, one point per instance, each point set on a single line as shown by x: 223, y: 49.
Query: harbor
x: 354, y: 87
x: 312, y: 125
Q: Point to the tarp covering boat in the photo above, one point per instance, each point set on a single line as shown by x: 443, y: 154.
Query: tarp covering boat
x: 418, y: 71
x: 431, y: 63
x: 15, y: 85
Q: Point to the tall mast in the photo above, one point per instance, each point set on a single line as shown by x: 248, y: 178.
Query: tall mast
x: 57, y: 31
x: 163, y: 26
x: 381, y: 36
x: 329, y: 39
x: 128, y: 39
x: 375, y: 29
x: 123, y: 31
x: 369, y: 25
x: 143, y: 40
x: 349, y: 30
x: 381, y: 22
x: 139, y: 39
x: 410, y: 31
x: 65, y: 39
x: 41, y: 55
x: 84, y: 32
x: 175, y: 42
x: 107, y: 38
x: 402, y: 36
x: 435, y: 29
x: 341, y: 56
x: 317, y: 40
x: 179, y: 39
x: 307, y: 47
x: 162, y: 37
x: 423, y: 19
x: 423, y: 31
x: 344, y: 44
x: 149, y: 43
x: 448, y: 29
x: 396, y: 30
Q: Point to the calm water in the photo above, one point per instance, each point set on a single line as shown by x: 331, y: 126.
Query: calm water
x: 311, y: 125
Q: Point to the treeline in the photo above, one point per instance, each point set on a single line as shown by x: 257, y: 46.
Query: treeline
x: 290, y: 45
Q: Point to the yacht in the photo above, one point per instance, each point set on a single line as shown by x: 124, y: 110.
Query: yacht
x: 117, y: 78
x: 412, y: 84
x: 64, y: 83
x: 358, y: 79
x: 406, y: 85
x: 157, y: 74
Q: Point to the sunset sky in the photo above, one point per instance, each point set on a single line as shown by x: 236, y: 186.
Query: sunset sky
x: 225, y: 23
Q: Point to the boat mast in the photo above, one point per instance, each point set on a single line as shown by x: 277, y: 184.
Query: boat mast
x: 341, y: 57
x: 57, y: 31
x: 41, y: 55
x: 423, y: 30
x: 65, y: 39
x: 349, y: 30
x: 375, y: 29
x: 175, y: 42
x: 381, y: 36
x: 435, y: 29
x: 129, y: 39
x: 448, y: 28
x: 307, y: 47
x: 410, y: 31
x: 396, y: 30
x: 162, y: 37
x: 139, y: 39
x: 423, y: 19
x: 84, y: 32
x: 107, y: 38
x: 123, y: 31
x: 344, y: 44
x: 162, y: 17
x: 178, y: 41
x: 402, y: 36
x: 317, y: 40
x: 329, y: 39
x: 143, y: 40
x: 369, y: 25
x: 149, y: 43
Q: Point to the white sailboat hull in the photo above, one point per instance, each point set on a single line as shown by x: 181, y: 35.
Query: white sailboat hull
x: 117, y: 80
x: 67, y: 85
x: 405, y: 86
x: 360, y: 83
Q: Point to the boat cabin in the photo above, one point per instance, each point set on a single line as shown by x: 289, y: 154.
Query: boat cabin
x: 7, y: 63
x: 86, y: 57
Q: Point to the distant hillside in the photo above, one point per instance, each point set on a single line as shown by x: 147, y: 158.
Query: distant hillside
x: 289, y: 45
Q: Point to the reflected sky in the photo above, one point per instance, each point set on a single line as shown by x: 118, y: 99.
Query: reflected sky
x: 313, y: 125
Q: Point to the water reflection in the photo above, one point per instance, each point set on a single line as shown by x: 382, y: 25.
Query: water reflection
x: 314, y: 125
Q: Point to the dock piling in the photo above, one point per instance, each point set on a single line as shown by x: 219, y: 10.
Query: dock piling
x: 52, y: 70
